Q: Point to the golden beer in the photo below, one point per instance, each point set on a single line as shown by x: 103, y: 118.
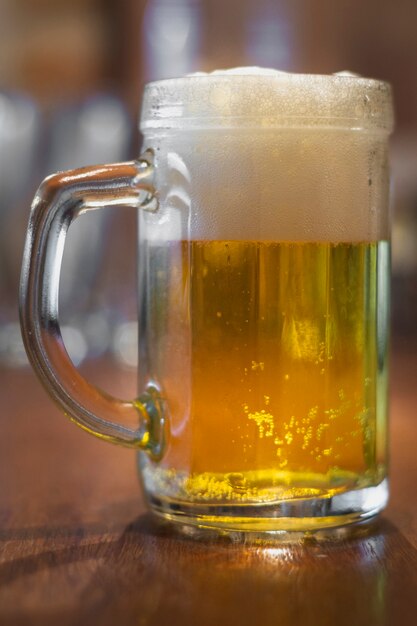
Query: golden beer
x: 280, y: 352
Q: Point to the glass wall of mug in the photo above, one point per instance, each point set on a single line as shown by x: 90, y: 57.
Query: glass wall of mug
x: 263, y: 298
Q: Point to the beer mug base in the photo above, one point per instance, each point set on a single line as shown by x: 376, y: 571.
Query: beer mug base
x: 287, y: 516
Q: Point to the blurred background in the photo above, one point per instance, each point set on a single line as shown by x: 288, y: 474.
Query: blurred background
x: 71, y: 77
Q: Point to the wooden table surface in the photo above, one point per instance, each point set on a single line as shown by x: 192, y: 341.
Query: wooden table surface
x: 78, y: 547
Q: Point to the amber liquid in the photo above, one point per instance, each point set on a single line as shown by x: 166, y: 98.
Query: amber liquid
x: 272, y: 360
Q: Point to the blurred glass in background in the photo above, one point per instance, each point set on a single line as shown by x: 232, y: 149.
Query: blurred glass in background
x: 70, y: 115
x: 172, y: 37
x: 98, y: 131
x: 71, y: 77
x: 20, y: 136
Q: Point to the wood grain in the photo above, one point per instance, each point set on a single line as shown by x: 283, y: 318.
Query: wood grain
x: 78, y: 547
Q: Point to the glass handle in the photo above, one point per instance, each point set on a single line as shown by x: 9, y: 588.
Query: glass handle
x: 60, y: 199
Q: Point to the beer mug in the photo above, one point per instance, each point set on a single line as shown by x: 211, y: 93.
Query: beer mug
x: 263, y: 292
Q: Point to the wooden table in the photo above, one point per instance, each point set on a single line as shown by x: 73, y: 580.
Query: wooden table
x: 77, y: 546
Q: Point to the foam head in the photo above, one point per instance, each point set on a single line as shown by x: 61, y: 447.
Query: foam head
x: 268, y: 155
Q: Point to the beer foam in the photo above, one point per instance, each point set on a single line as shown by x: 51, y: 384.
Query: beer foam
x: 253, y: 96
x: 257, y: 154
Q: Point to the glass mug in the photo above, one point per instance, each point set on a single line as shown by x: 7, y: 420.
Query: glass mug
x: 263, y: 259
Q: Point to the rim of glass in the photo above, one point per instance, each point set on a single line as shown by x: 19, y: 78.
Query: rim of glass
x: 267, y: 99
